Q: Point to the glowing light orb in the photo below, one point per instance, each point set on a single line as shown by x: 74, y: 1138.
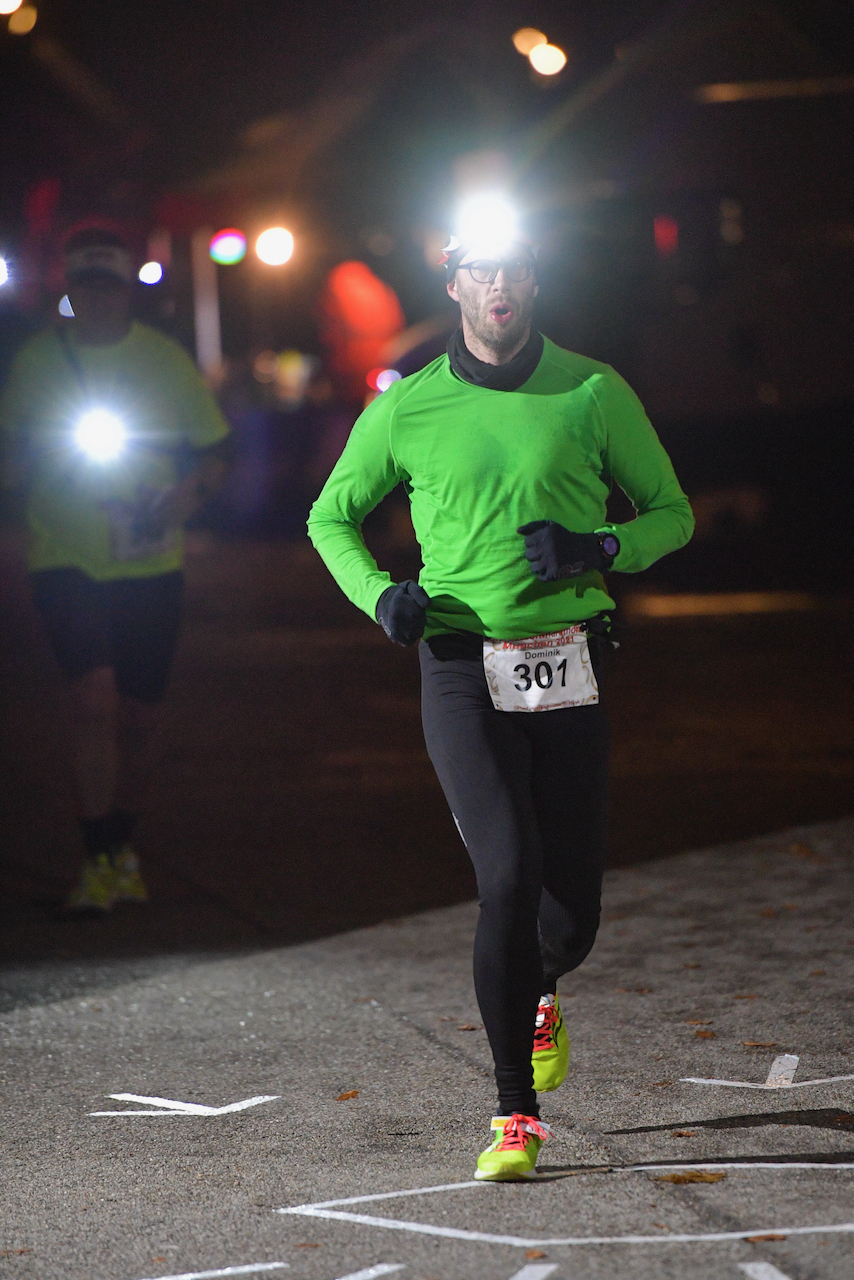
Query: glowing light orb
x: 65, y: 308
x: 228, y: 247
x: 9, y: 6
x: 487, y: 223
x: 151, y: 273
x: 386, y: 377
x: 23, y: 20
x: 101, y: 435
x: 547, y: 59
x: 274, y: 246
x: 4, y: 272
x: 527, y: 38
x: 381, y: 379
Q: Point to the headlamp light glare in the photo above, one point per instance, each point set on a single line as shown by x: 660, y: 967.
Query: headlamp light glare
x: 101, y: 435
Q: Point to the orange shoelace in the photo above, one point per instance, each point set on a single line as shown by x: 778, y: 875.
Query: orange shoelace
x: 544, y: 1035
x: 518, y: 1131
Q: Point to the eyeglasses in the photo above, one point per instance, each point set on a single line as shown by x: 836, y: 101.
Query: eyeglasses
x: 484, y: 271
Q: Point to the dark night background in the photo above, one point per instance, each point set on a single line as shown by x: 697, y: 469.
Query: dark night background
x: 278, y: 811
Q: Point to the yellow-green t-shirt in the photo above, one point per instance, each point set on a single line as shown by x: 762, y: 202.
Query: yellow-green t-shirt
x: 155, y: 390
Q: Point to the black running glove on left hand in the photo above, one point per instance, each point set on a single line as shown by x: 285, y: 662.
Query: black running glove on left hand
x: 555, y: 553
x: 402, y: 611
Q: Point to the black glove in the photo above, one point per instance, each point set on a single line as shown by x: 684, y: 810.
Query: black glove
x: 402, y: 611
x: 555, y: 553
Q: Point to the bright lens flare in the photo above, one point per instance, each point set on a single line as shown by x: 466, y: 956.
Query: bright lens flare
x: 101, y: 435
x: 4, y: 272
x: 487, y: 224
x: 23, y: 20
x: 274, y: 246
x: 9, y: 6
x: 151, y: 273
x: 547, y: 59
x: 228, y: 247
x: 526, y: 39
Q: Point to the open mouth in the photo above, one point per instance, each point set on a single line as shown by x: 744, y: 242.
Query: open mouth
x: 501, y: 313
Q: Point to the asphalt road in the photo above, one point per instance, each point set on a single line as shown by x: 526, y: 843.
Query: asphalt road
x: 367, y: 1072
x: 293, y: 804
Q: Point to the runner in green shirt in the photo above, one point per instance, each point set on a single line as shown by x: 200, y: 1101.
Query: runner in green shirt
x: 93, y: 415
x: 508, y: 447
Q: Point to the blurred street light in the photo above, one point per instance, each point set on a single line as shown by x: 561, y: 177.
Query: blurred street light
x: 274, y: 246
x: 527, y: 38
x: 151, y: 273
x: 4, y: 272
x: 65, y: 308
x: 23, y: 20
x: 228, y: 247
x: 547, y: 59
x: 9, y: 6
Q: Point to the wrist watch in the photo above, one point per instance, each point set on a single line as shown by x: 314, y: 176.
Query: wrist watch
x: 609, y: 545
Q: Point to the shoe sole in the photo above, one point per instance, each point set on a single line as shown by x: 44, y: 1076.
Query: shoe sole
x: 504, y: 1177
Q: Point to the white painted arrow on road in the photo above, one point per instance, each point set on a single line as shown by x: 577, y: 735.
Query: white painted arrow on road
x: 169, y: 1107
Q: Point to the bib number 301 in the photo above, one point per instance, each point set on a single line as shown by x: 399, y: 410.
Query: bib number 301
x: 542, y: 673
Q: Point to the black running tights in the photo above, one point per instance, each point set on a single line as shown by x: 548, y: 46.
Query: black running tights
x: 527, y: 791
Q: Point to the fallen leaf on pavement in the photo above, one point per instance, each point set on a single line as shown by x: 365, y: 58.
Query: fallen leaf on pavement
x: 817, y: 973
x: 684, y: 1133
x: 535, y: 1253
x: 692, y: 966
x: 345, y: 1097
x: 699, y: 1022
x: 768, y: 912
x: 661, y: 1224
x: 751, y: 996
x: 691, y: 1175
x: 306, y: 1246
x: 636, y: 991
x: 759, y: 1044
x: 761, y: 1239
x: 13, y: 1253
x: 470, y: 1026
x: 706, y: 1035
x: 661, y: 1084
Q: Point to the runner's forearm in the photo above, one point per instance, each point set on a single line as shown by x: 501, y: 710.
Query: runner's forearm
x: 343, y: 551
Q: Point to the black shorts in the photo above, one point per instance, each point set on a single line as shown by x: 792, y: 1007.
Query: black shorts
x: 129, y: 624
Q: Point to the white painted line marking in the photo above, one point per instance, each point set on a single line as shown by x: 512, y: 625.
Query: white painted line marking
x: 519, y: 1242
x: 781, y: 1076
x: 182, y: 1108
x: 761, y: 1271
x: 735, y: 1164
x: 253, y: 1268
x: 746, y: 1084
x: 535, y: 1272
x: 369, y: 1273
x: 783, y: 1070
x: 388, y: 1195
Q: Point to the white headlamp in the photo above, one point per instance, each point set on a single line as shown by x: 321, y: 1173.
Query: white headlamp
x: 100, y: 434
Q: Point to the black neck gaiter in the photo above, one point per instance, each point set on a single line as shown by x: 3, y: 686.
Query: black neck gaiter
x: 496, y: 377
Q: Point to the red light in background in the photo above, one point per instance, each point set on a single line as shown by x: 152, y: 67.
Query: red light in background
x: 666, y: 230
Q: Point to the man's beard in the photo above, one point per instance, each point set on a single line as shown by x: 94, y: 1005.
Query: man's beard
x: 498, y: 340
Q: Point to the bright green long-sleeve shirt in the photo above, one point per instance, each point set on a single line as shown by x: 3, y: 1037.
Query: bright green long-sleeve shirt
x: 478, y: 463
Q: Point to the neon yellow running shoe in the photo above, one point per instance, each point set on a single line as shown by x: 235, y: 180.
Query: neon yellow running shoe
x: 550, y: 1058
x: 513, y: 1154
x: 95, y: 890
x: 128, y: 884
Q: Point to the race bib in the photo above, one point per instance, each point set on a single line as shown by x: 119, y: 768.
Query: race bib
x: 542, y: 673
